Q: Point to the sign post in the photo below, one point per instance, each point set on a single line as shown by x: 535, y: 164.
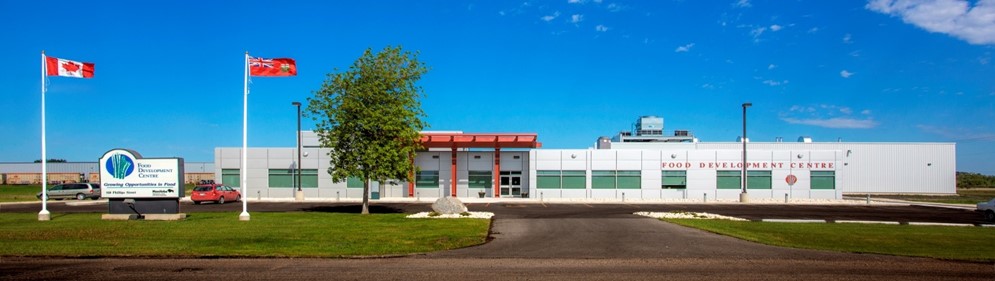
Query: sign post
x: 141, y: 188
x: 791, y: 180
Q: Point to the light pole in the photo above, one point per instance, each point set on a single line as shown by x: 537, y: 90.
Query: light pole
x: 299, y: 193
x: 743, y: 197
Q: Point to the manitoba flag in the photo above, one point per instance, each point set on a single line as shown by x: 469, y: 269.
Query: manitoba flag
x: 272, y: 67
x: 68, y: 68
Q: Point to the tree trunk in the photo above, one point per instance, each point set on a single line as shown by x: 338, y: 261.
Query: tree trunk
x: 366, y: 197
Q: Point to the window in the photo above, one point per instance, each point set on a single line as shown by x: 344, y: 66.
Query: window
x: 603, y: 179
x: 481, y: 179
x: 728, y: 180
x: 629, y: 180
x: 574, y: 180
x: 230, y: 177
x: 674, y: 180
x: 616, y: 179
x: 427, y: 179
x: 285, y: 178
x: 354, y: 182
x: 823, y: 180
x: 548, y: 179
x: 758, y: 180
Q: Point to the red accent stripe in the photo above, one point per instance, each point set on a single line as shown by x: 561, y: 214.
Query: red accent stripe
x: 52, y: 66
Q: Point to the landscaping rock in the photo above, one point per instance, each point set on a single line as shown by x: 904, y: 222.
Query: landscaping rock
x: 448, y: 205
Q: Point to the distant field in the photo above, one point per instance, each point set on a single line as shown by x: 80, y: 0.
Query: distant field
x: 22, y: 193
x: 213, y: 234
x: 19, y: 193
x: 944, y: 242
x: 964, y: 196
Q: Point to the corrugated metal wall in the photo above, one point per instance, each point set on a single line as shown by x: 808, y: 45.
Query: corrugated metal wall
x: 880, y: 167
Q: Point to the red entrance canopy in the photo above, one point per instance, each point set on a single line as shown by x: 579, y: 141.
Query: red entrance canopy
x: 480, y: 140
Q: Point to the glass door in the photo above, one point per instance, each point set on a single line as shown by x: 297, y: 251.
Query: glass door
x: 511, y: 183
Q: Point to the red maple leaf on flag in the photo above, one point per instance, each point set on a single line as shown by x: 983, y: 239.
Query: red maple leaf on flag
x: 70, y: 67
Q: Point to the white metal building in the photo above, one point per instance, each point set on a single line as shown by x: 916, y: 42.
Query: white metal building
x: 646, y: 165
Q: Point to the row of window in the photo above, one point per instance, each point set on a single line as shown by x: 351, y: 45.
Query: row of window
x: 546, y: 179
x: 668, y: 180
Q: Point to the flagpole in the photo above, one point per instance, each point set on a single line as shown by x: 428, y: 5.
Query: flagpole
x: 44, y: 215
x: 245, y: 143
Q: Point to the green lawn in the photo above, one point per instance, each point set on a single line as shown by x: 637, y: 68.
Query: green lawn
x: 944, y: 242
x: 19, y: 193
x: 964, y: 196
x: 299, y: 234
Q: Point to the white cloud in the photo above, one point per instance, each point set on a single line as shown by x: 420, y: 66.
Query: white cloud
x: 576, y: 18
x: 828, y: 116
x: 776, y: 28
x: 958, y: 134
x: 551, y: 17
x: 972, y: 22
x: 615, y: 7
x: 575, y: 1
x: 813, y: 30
x: 837, y: 122
x: 771, y: 66
x: 845, y: 74
x: 685, y: 48
x: 775, y: 83
x: 708, y: 86
x: 756, y: 32
x: 601, y: 28
x: 847, y: 39
x: 742, y: 4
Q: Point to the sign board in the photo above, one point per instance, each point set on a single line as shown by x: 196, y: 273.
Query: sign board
x: 125, y: 174
x: 791, y: 180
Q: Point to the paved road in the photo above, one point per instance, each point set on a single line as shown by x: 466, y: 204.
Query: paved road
x: 535, y: 210
x: 547, y: 242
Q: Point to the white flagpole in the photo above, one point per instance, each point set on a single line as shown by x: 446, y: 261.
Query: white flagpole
x: 44, y: 215
x: 245, y: 143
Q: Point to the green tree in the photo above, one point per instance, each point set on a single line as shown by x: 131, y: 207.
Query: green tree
x: 370, y: 117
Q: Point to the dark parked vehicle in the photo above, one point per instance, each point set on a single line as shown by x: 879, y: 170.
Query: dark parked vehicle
x: 79, y: 191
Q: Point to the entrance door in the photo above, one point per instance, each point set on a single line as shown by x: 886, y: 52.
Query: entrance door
x: 511, y: 183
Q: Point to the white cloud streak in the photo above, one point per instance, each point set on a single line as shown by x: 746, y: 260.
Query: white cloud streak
x: 576, y: 18
x: 551, y: 17
x: 828, y: 116
x: 836, y: 122
x: 742, y: 4
x: 683, y: 49
x: 974, y: 23
x: 601, y: 28
x: 845, y: 74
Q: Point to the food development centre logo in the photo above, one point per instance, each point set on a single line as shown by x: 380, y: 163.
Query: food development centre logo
x: 120, y: 166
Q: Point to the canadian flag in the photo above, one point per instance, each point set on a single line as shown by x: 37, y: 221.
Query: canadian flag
x: 68, y: 68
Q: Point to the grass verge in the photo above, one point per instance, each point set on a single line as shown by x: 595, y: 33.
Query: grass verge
x: 295, y: 234
x: 943, y: 242
x: 964, y: 196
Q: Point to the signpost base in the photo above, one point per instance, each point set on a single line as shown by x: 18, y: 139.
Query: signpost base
x: 44, y: 216
x: 244, y: 216
x: 299, y: 195
x: 744, y: 197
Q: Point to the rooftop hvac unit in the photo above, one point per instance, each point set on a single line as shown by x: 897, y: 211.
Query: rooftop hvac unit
x: 805, y: 139
x: 681, y: 133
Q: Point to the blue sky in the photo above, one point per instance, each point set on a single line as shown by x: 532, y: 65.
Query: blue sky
x: 169, y: 74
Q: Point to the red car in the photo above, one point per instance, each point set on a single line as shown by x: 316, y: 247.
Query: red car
x: 214, y: 192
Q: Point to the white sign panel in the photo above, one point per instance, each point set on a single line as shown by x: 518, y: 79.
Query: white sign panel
x: 124, y: 174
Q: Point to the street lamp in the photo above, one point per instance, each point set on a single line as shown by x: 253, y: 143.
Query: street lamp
x: 743, y: 197
x: 299, y: 193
